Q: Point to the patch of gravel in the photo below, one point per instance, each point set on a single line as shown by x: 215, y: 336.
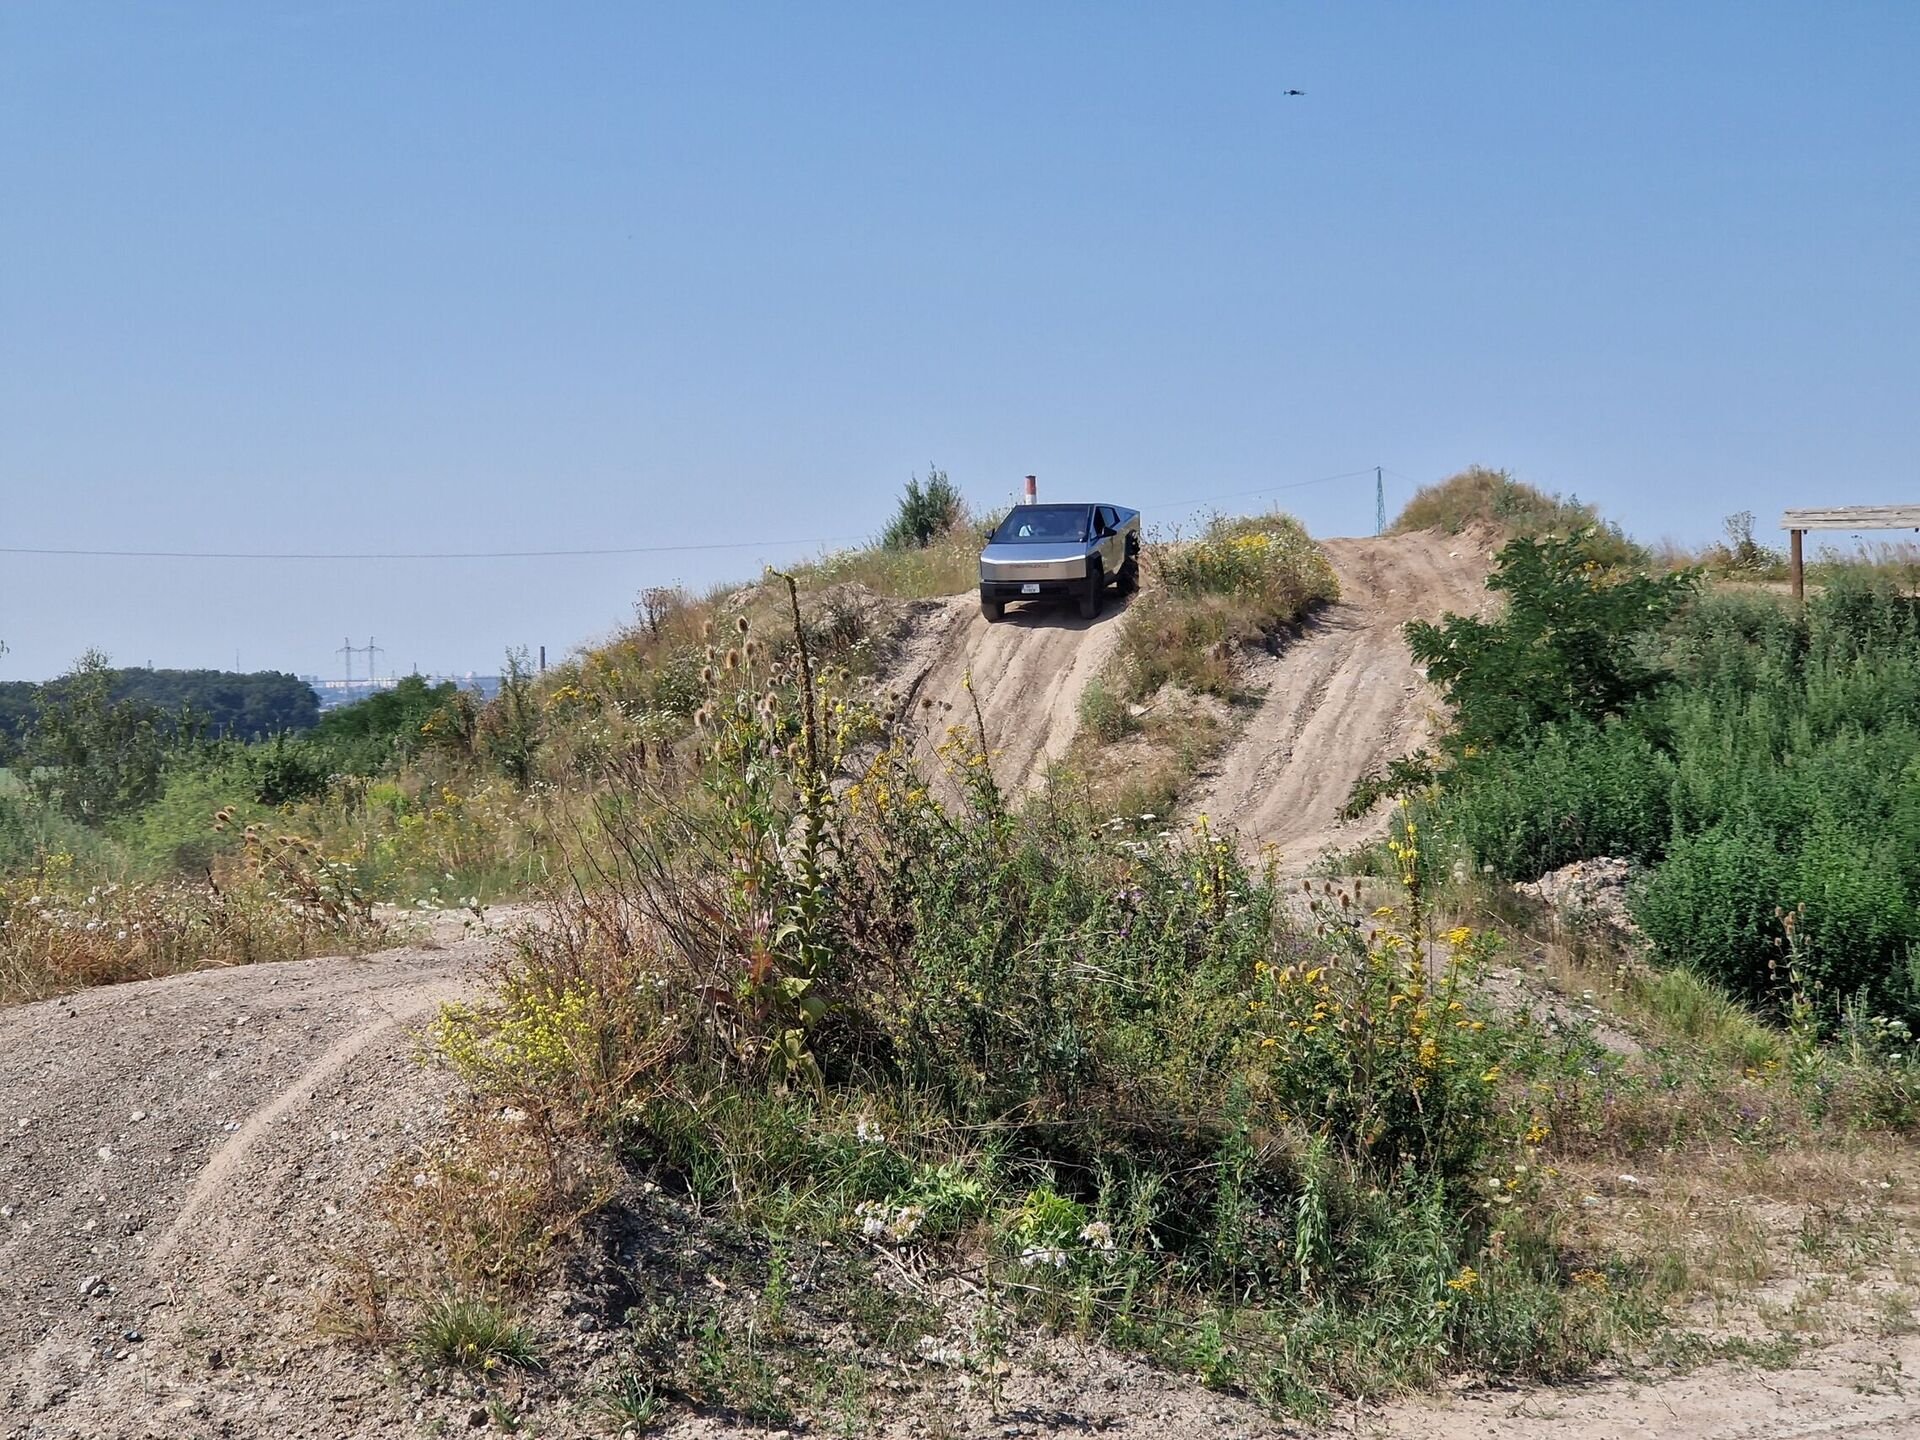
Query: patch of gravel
x: 1589, y: 894
x: 183, y: 1164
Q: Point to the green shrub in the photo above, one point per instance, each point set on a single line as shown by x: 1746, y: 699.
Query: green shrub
x: 1758, y: 761
x: 175, y: 833
x: 1567, y: 646
x: 928, y: 509
x: 1710, y: 905
x: 93, y: 756
x: 1579, y: 791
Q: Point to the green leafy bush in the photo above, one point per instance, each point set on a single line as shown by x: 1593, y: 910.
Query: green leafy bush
x: 928, y: 509
x: 92, y: 756
x: 1760, y: 762
x: 1580, y: 790
x: 1567, y: 646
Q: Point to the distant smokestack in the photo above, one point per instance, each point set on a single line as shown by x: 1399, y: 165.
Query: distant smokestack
x: 1031, y: 493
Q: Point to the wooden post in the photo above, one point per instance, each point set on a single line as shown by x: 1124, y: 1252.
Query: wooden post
x: 1798, y: 564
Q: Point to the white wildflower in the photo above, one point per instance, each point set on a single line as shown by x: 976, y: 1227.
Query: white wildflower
x: 1036, y: 1255
x: 1099, y: 1234
x: 868, y: 1133
x: 893, y: 1224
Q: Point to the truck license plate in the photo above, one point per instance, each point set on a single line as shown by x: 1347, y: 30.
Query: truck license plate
x: 1030, y: 589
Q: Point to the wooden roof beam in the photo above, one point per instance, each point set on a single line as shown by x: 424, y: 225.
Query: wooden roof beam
x: 1854, y: 517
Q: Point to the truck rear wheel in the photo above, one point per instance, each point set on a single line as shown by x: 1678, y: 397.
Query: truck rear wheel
x: 1096, y: 590
x: 1129, y: 576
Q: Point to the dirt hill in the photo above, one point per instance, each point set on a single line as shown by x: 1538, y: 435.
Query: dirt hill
x: 1345, y: 698
x: 1028, y: 673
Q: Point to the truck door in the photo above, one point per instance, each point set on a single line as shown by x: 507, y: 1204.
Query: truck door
x: 1112, y: 543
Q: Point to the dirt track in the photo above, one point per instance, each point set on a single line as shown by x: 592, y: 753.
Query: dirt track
x: 1343, y: 699
x: 179, y: 1159
x: 1028, y: 674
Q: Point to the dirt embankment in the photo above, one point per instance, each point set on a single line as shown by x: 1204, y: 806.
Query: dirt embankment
x: 1028, y: 673
x: 1345, y: 698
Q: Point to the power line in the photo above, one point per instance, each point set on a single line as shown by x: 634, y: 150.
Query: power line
x: 428, y: 554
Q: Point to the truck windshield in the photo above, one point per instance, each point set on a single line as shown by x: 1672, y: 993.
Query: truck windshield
x: 1043, y: 525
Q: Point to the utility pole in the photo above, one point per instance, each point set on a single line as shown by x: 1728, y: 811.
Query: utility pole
x: 345, y: 652
x: 1379, y: 503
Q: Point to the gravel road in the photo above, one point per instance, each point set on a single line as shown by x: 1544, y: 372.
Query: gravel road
x: 180, y: 1161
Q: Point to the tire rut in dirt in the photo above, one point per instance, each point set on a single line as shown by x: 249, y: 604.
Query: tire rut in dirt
x: 1028, y: 673
x: 1343, y: 699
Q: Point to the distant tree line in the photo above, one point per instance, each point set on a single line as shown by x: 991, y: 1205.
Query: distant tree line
x: 213, y: 704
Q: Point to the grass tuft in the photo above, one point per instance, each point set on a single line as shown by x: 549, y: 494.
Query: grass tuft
x: 473, y: 1334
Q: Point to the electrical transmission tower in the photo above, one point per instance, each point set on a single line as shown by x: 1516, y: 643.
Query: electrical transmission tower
x: 373, y: 652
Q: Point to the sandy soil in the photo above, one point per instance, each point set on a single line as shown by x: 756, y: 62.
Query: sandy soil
x: 1028, y: 674
x: 1344, y: 699
x: 1855, y: 1388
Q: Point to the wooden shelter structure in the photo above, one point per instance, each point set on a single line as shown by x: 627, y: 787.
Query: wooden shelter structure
x: 1840, y: 517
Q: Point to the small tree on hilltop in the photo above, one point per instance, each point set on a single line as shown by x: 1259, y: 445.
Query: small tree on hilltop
x: 926, y: 510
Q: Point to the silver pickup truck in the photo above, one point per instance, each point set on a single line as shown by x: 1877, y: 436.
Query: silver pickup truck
x: 1059, y: 552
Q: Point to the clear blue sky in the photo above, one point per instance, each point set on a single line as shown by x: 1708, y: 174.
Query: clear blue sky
x: 470, y: 276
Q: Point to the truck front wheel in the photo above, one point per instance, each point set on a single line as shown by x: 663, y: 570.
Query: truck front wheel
x: 992, y: 609
x: 1096, y: 590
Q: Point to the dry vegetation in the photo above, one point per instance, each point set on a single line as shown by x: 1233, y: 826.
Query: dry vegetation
x: 62, y: 930
x: 1493, y: 500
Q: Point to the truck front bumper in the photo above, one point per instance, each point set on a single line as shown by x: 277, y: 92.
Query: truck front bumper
x: 1005, y: 590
